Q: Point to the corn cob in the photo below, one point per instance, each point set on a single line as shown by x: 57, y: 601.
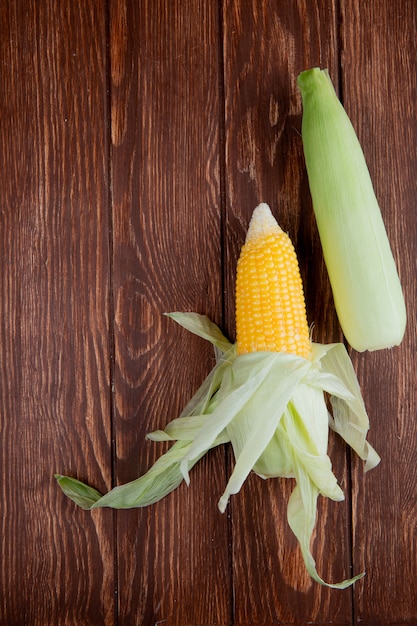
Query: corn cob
x: 270, y: 306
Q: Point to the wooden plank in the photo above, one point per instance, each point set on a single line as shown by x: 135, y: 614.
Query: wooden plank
x: 266, y: 45
x: 379, y: 90
x: 173, y: 556
x: 56, y: 561
x: 174, y: 560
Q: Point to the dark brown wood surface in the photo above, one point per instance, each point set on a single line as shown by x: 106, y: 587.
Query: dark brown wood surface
x: 136, y: 137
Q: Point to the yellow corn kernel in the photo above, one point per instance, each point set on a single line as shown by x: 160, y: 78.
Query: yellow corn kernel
x: 270, y: 306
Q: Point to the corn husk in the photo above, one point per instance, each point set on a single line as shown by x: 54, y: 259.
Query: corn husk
x: 270, y: 406
x: 364, y: 279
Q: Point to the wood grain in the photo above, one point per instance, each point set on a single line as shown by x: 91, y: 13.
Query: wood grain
x: 136, y: 138
x: 266, y: 46
x: 56, y: 562
x: 380, y: 96
x: 173, y: 557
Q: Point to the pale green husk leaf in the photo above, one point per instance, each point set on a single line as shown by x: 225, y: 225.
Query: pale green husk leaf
x: 203, y: 327
x: 350, y: 419
x: 271, y: 407
x: 301, y: 514
x: 80, y: 493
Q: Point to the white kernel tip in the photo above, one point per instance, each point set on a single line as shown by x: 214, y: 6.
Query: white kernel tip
x: 262, y: 223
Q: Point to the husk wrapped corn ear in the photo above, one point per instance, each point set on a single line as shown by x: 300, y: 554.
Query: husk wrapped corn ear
x: 364, y: 279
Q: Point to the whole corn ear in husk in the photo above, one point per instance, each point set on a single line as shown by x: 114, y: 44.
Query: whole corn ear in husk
x: 364, y: 279
x: 265, y: 396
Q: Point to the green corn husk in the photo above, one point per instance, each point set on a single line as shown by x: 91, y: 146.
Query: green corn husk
x: 270, y: 407
x: 364, y: 279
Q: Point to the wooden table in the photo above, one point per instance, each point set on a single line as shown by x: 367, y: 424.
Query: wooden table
x: 136, y: 137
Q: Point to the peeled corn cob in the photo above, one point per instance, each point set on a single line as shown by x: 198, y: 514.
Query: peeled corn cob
x: 270, y: 307
x: 264, y: 396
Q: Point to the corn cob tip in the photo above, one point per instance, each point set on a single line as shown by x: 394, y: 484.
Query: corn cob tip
x: 270, y: 307
x: 262, y: 223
